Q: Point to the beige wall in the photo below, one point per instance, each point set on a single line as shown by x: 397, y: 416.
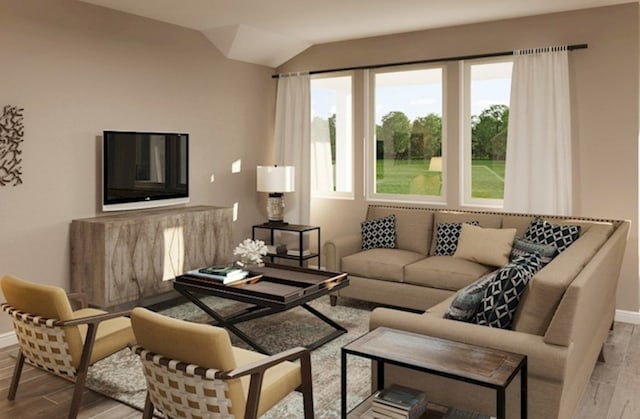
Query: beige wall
x: 77, y: 69
x: 604, y: 82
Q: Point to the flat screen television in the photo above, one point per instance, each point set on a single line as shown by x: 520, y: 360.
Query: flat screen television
x: 144, y: 169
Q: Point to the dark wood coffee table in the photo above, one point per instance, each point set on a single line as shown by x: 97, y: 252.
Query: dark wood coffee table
x: 473, y: 364
x: 279, y: 288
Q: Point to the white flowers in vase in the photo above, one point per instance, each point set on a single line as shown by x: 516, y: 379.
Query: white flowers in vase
x: 250, y: 251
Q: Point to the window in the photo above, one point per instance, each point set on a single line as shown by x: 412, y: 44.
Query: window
x: 332, y: 136
x: 485, y: 122
x: 406, y: 154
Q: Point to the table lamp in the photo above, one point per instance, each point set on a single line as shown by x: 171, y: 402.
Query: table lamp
x: 275, y: 180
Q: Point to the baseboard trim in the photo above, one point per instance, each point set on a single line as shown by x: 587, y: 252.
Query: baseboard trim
x: 625, y: 316
x: 8, y: 339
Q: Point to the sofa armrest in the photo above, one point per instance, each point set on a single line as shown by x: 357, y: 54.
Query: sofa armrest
x: 544, y: 360
x: 334, y: 250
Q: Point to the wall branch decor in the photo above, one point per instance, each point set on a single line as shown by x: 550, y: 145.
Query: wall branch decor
x: 11, y: 135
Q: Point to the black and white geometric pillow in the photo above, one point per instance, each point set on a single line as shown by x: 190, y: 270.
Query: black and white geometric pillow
x: 447, y: 236
x: 523, y: 247
x: 501, y: 297
x: 466, y: 302
x: 541, y: 231
x: 379, y: 233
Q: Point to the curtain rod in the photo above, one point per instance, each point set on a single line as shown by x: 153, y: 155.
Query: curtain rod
x: 432, y: 60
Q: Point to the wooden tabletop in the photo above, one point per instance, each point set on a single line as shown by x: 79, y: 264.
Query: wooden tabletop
x: 278, y: 284
x: 449, y: 358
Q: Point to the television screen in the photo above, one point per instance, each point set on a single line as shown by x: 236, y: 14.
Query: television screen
x: 144, y: 169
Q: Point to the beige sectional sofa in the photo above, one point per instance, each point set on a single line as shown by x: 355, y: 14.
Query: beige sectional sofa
x: 562, y: 318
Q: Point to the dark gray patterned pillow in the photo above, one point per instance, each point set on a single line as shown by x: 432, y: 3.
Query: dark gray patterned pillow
x: 379, y: 233
x: 447, y: 236
x: 501, y: 297
x: 541, y: 231
x: 523, y: 247
x: 465, y: 304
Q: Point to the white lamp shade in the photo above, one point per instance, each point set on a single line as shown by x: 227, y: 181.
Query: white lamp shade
x: 276, y: 179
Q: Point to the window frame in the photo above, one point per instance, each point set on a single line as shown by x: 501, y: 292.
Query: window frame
x: 370, y: 137
x: 337, y: 194
x: 465, y: 170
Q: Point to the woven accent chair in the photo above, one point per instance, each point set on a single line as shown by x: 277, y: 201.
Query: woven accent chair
x: 57, y: 339
x: 193, y: 371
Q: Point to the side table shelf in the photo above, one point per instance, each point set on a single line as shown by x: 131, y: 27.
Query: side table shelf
x: 434, y: 411
x: 300, y: 230
x: 485, y: 367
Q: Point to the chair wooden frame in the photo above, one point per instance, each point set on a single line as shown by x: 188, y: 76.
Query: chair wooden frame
x: 255, y: 370
x: 77, y: 375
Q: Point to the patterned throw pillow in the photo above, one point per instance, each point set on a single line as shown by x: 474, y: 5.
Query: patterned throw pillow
x: 447, y: 237
x: 379, y: 233
x: 501, y: 297
x: 523, y: 247
x: 541, y: 231
x: 465, y: 304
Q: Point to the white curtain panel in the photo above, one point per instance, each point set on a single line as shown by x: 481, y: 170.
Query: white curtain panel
x: 292, y: 141
x: 538, y: 168
x: 321, y: 165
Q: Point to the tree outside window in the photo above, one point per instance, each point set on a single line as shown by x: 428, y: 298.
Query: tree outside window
x: 408, y: 133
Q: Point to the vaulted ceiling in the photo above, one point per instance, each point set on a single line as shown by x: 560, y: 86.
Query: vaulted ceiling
x: 270, y: 32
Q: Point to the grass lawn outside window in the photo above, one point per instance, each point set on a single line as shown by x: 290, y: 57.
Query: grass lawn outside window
x: 399, y: 177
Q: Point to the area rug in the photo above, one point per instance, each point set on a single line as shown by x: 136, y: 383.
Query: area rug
x: 120, y: 375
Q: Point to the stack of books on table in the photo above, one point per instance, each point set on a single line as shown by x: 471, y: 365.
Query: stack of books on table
x: 298, y: 253
x: 397, y: 402
x: 223, y: 274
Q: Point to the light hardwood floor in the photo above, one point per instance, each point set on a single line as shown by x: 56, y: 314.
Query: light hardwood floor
x: 613, y: 392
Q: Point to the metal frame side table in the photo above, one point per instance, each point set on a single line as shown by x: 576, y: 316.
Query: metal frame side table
x: 301, y: 230
x: 486, y: 367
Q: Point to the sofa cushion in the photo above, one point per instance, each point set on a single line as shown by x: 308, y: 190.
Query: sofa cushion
x: 379, y: 233
x: 441, y: 308
x: 522, y: 247
x: 447, y: 237
x: 521, y: 222
x: 385, y: 264
x: 444, y: 272
x: 465, y: 304
x: 484, y: 220
x: 489, y: 246
x: 414, y: 226
x: 501, y: 297
x: 547, y: 287
x: 542, y: 231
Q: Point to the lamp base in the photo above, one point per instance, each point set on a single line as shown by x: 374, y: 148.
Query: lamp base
x: 275, y: 208
x: 275, y: 223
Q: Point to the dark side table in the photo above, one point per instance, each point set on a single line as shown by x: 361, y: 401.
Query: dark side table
x: 273, y: 289
x: 485, y: 367
x: 299, y: 229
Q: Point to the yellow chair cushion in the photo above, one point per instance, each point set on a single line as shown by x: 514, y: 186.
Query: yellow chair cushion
x: 112, y: 335
x: 210, y: 347
x: 279, y: 380
x: 192, y: 343
x: 41, y: 300
x: 52, y: 302
x: 46, y: 301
